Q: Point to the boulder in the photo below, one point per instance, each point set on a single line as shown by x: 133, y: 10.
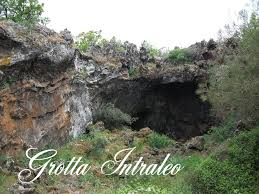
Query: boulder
x: 144, y: 132
x: 196, y: 143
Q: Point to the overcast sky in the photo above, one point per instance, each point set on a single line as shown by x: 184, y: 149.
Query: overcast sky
x: 163, y: 23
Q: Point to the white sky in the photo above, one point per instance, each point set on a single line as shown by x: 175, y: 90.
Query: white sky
x: 163, y: 23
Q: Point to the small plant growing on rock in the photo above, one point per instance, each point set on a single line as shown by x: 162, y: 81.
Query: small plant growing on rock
x: 134, y: 72
x: 180, y: 56
x: 156, y: 140
x: 113, y: 117
x: 88, y: 39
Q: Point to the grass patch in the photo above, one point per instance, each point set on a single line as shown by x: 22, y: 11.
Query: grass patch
x: 156, y: 140
x: 219, y: 134
x: 6, y: 181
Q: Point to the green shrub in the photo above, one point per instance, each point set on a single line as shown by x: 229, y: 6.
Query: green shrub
x: 188, y: 162
x: 243, y: 150
x: 220, y: 133
x: 236, y: 173
x: 156, y: 140
x: 234, y: 86
x: 134, y: 72
x: 113, y: 117
x: 23, y: 11
x: 221, y: 177
x: 88, y: 39
x: 234, y: 89
x: 180, y: 56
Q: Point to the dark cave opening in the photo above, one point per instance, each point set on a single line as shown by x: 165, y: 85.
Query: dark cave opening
x: 173, y: 108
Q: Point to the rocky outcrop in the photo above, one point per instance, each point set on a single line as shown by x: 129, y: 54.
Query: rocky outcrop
x: 38, y: 103
x: 49, y: 90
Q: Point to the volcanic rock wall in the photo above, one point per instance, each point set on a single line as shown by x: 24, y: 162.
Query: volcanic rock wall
x: 38, y: 103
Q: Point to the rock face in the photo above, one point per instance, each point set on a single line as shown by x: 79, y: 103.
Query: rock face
x: 49, y: 90
x: 38, y: 103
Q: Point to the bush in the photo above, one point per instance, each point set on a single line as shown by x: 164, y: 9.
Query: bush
x: 156, y: 140
x: 220, y: 177
x: 134, y: 72
x: 113, y: 117
x: 234, y: 86
x: 234, y: 89
x: 237, y: 173
x: 220, y: 133
x: 180, y: 56
x: 243, y: 150
x: 22, y: 11
x: 88, y: 39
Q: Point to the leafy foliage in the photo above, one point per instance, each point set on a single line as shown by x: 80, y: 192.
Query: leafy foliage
x: 113, y: 117
x: 220, y: 133
x: 88, y: 39
x: 156, y: 140
x: 94, y: 40
x: 180, y: 56
x: 23, y: 11
x: 237, y: 173
x: 234, y: 86
x: 134, y: 72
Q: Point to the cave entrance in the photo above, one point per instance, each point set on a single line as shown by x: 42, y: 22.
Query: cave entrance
x: 173, y: 109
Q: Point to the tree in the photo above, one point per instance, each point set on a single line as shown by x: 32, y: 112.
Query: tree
x: 234, y: 86
x: 22, y: 11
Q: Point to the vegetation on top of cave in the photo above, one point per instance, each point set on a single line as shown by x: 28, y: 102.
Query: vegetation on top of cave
x: 180, y: 55
x: 93, y: 41
x: 28, y: 12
